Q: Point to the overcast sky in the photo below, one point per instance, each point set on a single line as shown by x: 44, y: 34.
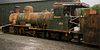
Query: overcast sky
x: 91, y: 2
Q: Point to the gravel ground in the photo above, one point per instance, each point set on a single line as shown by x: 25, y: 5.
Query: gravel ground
x: 16, y: 42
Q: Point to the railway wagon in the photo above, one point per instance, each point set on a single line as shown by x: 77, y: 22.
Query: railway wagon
x: 90, y: 27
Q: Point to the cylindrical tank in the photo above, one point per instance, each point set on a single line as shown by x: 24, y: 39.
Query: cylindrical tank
x: 21, y: 19
x: 40, y: 19
x: 37, y: 19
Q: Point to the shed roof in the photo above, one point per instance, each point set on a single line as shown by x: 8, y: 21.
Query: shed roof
x: 76, y: 4
x: 18, y: 1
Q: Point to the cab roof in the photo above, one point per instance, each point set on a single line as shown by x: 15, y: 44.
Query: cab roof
x: 75, y: 4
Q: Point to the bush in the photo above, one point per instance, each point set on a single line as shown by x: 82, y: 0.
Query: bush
x: 97, y: 8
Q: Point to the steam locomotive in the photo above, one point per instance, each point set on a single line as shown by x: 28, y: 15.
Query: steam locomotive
x: 62, y: 23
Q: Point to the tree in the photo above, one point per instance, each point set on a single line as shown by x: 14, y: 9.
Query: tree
x: 97, y: 8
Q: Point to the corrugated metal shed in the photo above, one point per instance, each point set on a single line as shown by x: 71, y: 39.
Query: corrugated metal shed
x: 17, y: 1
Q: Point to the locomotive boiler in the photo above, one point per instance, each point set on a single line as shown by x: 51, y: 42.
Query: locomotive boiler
x: 35, y: 19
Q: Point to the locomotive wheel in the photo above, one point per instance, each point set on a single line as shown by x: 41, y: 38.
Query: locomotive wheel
x: 31, y: 33
x: 76, y: 36
x: 11, y: 30
x: 70, y: 36
x: 5, y: 29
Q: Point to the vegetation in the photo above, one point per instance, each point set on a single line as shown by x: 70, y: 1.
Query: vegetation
x: 97, y: 8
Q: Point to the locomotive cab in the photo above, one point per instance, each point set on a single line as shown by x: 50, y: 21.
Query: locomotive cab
x: 69, y: 8
x: 66, y: 15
